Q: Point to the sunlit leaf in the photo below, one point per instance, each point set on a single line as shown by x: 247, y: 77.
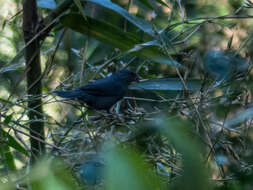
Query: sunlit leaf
x: 143, y: 45
x: 11, y: 141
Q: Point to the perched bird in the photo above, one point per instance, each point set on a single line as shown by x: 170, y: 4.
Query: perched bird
x: 91, y: 172
x: 224, y: 65
x: 103, y: 93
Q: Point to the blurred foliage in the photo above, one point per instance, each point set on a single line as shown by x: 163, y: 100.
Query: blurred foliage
x: 185, y: 125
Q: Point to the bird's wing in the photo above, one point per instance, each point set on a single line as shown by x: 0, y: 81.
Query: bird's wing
x: 103, y: 87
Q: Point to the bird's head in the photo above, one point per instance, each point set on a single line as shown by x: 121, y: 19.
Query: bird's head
x: 126, y: 76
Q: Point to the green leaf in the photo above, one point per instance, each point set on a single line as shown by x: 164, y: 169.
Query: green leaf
x: 125, y: 169
x: 156, y: 56
x: 101, y: 31
x: 166, y: 84
x: 162, y: 3
x: 114, y: 36
x: 7, y: 119
x: 138, y: 47
x: 11, y: 141
x: 147, y: 4
x: 12, y: 67
x: 48, y: 4
x: 181, y: 135
x: 79, y: 5
x: 166, y: 60
x: 9, y: 159
x: 51, y: 175
x: 7, y: 186
x: 140, y: 23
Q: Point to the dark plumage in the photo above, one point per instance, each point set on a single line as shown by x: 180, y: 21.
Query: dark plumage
x: 91, y: 172
x: 224, y: 65
x: 103, y: 93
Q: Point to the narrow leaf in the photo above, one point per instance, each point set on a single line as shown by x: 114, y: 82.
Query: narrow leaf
x: 140, y: 23
x: 9, y: 158
x: 166, y: 84
x: 162, y: 3
x: 166, y: 60
x: 180, y: 133
x: 12, y: 67
x: 11, y: 141
x: 7, y: 119
x: 143, y: 45
x: 47, y: 4
x: 101, y: 31
x: 114, y: 36
x: 147, y: 4
x: 79, y: 5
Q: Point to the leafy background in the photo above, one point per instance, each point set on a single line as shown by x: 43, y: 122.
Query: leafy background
x: 176, y: 129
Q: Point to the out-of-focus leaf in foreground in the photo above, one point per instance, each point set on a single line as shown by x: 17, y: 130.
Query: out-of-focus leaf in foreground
x: 45, y: 175
x: 51, y: 175
x: 126, y: 170
x: 180, y: 134
x: 6, y: 186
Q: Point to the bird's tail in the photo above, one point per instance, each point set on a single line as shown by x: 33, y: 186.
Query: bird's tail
x: 71, y: 94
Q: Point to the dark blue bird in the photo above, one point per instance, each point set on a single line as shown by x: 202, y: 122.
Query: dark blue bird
x: 91, y: 172
x: 224, y: 65
x: 103, y: 93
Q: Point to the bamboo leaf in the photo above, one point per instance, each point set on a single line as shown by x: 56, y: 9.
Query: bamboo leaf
x: 12, y: 142
x: 47, y: 4
x: 166, y: 84
x: 140, y: 23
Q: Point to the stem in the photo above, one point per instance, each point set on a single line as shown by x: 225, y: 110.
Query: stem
x: 34, y: 87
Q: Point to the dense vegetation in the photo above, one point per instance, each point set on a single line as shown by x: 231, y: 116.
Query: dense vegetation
x: 185, y: 125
